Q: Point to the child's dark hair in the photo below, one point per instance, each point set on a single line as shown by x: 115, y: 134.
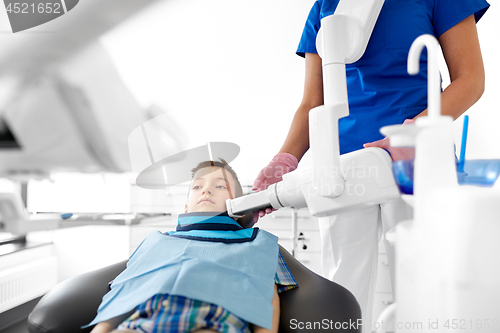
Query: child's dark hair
x: 223, y: 165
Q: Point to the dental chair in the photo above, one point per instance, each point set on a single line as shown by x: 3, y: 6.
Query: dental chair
x: 316, y: 305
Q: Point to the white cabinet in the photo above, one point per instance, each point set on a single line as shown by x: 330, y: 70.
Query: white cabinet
x: 308, y: 246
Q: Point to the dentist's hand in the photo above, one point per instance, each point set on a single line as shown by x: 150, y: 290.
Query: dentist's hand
x: 397, y: 153
x: 281, y: 163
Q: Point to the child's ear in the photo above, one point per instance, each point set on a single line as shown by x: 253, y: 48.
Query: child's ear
x: 185, y: 208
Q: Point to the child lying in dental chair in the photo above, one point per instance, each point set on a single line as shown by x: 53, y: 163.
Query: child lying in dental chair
x: 210, y: 275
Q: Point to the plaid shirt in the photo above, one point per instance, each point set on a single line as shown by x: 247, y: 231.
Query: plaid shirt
x: 283, y: 277
x: 178, y: 314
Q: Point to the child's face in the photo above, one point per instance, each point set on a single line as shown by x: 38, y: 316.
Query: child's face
x: 209, y: 190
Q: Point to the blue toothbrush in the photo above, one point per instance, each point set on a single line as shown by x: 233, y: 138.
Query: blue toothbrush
x: 463, y: 144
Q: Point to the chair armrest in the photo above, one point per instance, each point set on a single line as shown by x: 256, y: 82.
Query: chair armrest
x: 316, y: 300
x: 73, y: 302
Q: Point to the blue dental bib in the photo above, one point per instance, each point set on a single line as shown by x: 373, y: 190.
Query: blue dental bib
x: 210, y: 258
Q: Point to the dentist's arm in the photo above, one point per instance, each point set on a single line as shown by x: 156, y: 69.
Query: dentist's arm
x: 462, y: 53
x: 460, y: 45
x: 297, y: 140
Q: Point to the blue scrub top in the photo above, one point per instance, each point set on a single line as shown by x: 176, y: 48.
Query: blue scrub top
x: 380, y: 90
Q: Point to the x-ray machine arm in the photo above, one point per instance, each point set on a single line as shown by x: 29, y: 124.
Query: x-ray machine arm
x: 333, y: 183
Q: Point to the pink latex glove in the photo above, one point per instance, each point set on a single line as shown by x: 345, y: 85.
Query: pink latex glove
x: 397, y: 153
x: 281, y: 163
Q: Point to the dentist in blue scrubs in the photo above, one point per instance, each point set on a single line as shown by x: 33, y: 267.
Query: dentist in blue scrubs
x: 380, y: 93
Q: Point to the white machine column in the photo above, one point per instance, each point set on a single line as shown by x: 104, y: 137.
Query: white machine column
x: 342, y: 39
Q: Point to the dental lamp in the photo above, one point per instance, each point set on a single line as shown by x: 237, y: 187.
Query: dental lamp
x: 333, y: 183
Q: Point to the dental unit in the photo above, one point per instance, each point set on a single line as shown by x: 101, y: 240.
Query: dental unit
x: 446, y: 271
